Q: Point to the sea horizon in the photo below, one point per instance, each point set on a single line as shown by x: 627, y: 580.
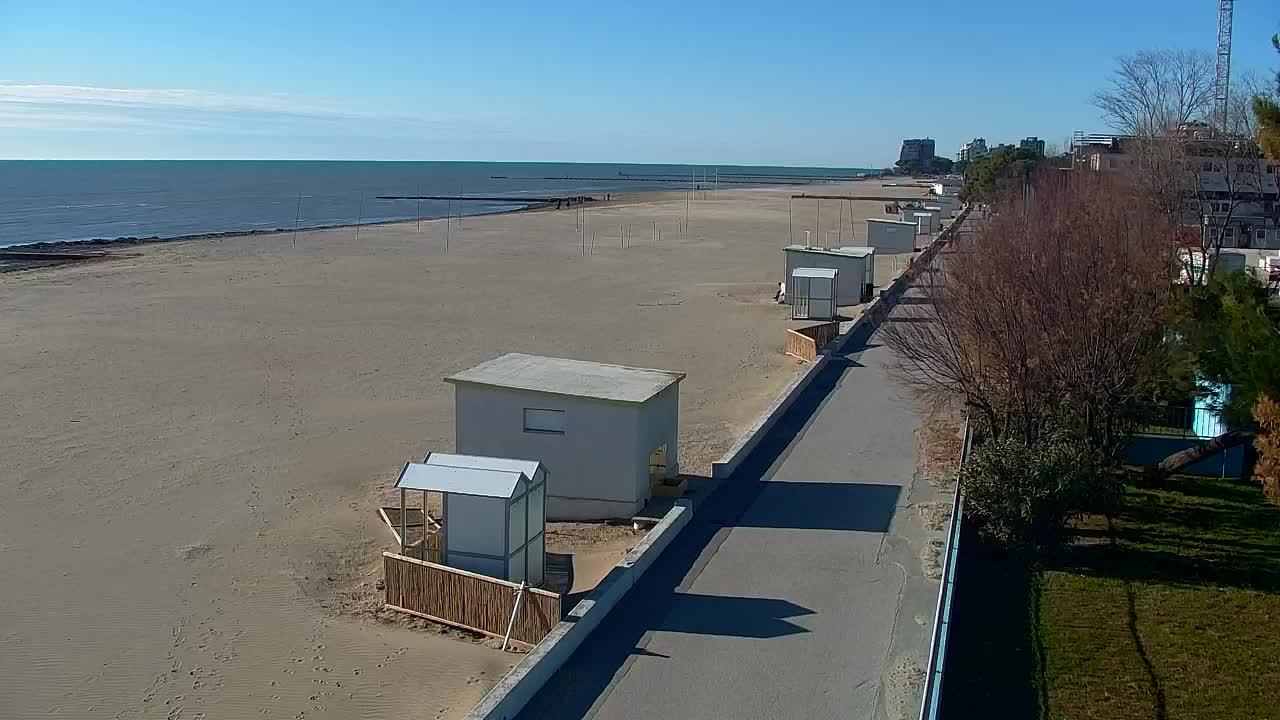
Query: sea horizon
x: 49, y: 201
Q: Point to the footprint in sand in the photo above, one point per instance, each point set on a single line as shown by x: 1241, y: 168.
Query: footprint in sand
x: 194, y: 552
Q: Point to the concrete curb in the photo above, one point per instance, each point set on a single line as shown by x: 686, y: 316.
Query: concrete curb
x: 729, y: 462
x: 524, y: 681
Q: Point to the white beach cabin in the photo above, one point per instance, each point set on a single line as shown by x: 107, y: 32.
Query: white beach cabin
x: 603, y: 433
x: 494, y: 512
x: 856, y: 266
x: 891, y: 236
x: 927, y: 220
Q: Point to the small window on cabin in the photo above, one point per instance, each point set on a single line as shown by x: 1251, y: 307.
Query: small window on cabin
x: 550, y: 422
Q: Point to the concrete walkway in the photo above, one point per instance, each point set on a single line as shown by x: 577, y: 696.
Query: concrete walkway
x: 785, y: 595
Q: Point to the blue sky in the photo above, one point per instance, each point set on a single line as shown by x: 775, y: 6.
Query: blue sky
x: 821, y: 83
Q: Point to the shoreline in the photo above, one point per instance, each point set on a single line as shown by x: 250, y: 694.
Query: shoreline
x: 55, y: 253
x: 61, y: 245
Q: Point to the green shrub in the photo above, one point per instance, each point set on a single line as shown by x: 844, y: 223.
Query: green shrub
x: 1022, y: 496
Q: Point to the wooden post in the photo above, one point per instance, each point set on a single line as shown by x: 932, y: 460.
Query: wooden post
x: 791, y: 233
x: 655, y: 232
x: 514, y: 611
x: 817, y: 221
x: 841, y: 223
x: 404, y: 523
x: 296, y: 217
x: 359, y: 216
x: 448, y: 223
x: 419, y: 208
x: 686, y: 214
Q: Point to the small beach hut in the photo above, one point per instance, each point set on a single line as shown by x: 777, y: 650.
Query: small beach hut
x: 494, y: 512
x: 813, y: 293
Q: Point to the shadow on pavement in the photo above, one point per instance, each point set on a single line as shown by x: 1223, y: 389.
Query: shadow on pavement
x: 729, y: 616
x: 852, y: 507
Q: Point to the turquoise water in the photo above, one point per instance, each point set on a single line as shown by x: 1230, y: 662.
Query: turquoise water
x: 47, y: 201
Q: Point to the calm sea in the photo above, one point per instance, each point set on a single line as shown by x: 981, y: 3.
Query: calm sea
x: 44, y: 201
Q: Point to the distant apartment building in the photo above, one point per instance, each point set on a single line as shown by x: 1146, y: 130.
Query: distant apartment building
x: 916, y: 150
x: 1230, y: 187
x: 973, y: 150
x: 1034, y: 144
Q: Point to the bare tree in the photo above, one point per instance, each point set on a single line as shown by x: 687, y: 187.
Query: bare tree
x: 1211, y: 181
x: 1051, y: 313
x: 1153, y: 91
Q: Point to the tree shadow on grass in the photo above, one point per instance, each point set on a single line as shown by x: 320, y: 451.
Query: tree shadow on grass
x: 1194, y: 531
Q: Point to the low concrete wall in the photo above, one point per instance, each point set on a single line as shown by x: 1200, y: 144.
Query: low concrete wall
x: 729, y: 462
x: 524, y: 681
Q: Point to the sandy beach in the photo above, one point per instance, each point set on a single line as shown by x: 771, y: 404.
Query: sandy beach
x: 198, y: 432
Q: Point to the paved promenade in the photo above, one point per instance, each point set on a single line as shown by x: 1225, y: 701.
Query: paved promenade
x: 795, y: 586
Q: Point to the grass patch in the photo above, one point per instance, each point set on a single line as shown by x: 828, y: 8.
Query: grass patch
x: 1169, y: 610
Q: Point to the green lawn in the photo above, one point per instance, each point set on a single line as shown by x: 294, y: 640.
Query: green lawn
x: 1171, y: 611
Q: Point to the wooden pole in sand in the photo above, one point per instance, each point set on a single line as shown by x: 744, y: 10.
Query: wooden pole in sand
x: 404, y: 524
x: 359, y: 216
x: 686, y: 213
x: 448, y: 223
x: 655, y: 232
x: 420, y: 217
x: 297, y: 216
x: 817, y: 221
x: 791, y: 233
x: 852, y: 235
x: 841, y: 223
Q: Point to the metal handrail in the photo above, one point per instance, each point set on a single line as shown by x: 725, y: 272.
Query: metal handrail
x: 931, y: 701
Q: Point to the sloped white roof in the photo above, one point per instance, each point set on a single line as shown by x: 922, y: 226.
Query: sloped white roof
x: 467, y: 475
x: 577, y: 378
x: 847, y: 251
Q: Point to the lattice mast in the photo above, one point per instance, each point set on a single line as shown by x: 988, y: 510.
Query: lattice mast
x: 1222, y: 78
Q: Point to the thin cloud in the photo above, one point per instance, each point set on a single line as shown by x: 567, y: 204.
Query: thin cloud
x: 193, y: 99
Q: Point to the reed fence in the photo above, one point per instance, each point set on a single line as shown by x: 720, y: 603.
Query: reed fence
x: 806, y: 342
x: 467, y: 600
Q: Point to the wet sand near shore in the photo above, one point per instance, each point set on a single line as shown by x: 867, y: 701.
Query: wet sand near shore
x: 197, y: 433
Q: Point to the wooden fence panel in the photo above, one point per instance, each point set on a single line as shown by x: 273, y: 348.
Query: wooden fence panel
x: 467, y: 600
x: 801, y: 346
x: 806, y: 342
